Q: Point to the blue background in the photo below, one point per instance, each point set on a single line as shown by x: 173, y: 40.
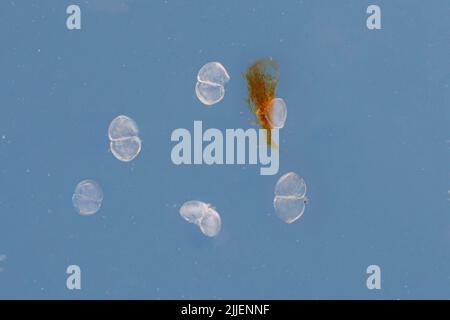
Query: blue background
x: 367, y: 128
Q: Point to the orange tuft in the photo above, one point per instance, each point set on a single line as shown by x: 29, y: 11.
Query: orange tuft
x: 262, y: 81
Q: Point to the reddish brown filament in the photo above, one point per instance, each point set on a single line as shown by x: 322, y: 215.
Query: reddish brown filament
x: 262, y: 81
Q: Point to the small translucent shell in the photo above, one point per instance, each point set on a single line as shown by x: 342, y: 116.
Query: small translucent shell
x: 193, y: 211
x: 278, y: 113
x: 290, y: 184
x: 211, y: 79
x: 202, y: 215
x: 289, y: 209
x: 213, y: 72
x: 87, y: 197
x: 126, y: 149
x: 209, y: 93
x: 210, y: 224
x: 290, y: 197
x: 125, y: 143
x: 122, y: 127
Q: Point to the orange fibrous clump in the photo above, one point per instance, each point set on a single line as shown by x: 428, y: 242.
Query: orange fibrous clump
x: 262, y: 81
